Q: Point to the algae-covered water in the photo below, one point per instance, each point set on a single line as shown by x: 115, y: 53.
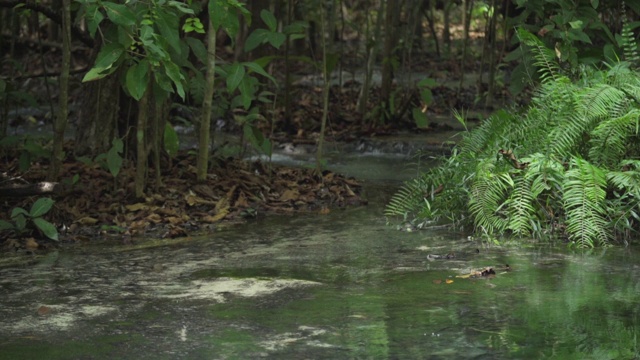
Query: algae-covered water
x: 337, y: 286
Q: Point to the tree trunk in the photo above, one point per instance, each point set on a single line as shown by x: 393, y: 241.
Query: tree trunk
x: 141, y: 142
x: 60, y: 122
x: 205, y: 123
x: 391, y: 23
x: 98, y: 116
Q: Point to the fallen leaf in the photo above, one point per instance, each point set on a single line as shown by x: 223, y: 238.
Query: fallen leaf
x: 289, y: 195
x: 449, y: 281
x: 31, y: 244
x: 44, y: 310
x: 324, y: 211
x: 437, y: 281
x: 87, y: 220
x: 215, y: 218
x: 137, y: 207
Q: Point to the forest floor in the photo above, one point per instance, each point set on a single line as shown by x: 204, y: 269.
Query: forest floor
x: 89, y: 202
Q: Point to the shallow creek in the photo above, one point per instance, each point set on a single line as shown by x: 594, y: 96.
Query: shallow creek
x: 336, y: 286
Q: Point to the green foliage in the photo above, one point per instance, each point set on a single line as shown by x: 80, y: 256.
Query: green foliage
x: 30, y: 149
x: 426, y: 97
x: 567, y: 166
x: 21, y: 219
x: 145, y: 40
x: 112, y: 159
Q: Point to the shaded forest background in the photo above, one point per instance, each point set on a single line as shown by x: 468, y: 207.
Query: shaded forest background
x: 123, y: 78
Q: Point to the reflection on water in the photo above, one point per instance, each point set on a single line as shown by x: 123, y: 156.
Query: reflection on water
x: 337, y: 286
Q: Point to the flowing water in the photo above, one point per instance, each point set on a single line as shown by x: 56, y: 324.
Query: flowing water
x: 338, y: 286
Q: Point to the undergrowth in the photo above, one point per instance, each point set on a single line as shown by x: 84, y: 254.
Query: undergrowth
x: 567, y: 166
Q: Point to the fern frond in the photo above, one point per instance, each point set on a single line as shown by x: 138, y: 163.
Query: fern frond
x: 488, y: 192
x: 628, y: 181
x: 628, y: 42
x: 611, y: 137
x: 520, y: 207
x: 545, y: 58
x: 584, y: 202
x: 592, y: 105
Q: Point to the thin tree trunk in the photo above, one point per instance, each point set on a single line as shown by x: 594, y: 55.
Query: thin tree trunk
x: 287, y: 72
x: 141, y: 141
x: 372, y: 52
x: 466, y: 21
x: 60, y: 123
x: 492, y: 54
x: 207, y: 103
x: 388, y: 52
x: 325, y: 93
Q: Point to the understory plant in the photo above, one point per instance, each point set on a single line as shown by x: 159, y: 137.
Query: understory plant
x: 567, y: 166
x: 23, y: 221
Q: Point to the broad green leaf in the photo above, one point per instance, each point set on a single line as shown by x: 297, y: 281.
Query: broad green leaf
x: 47, y: 228
x: 163, y: 82
x: 224, y: 13
x: 21, y: 221
x: 576, y: 24
x: 137, y: 79
x: 173, y: 72
x: 296, y: 28
x: 595, y: 3
x: 427, y: 96
x: 5, y: 225
x: 269, y: 20
x: 94, y: 17
x: 114, y: 160
x: 107, y: 56
x: 236, y: 74
x: 420, y: 118
x: 256, y: 38
x: 171, y: 140
x: 119, y: 14
x: 198, y: 48
x: 259, y: 69
x: 276, y: 39
x: 18, y: 211
x: 181, y: 7
x: 428, y: 82
x: 247, y: 90
x: 169, y: 28
x: 41, y: 207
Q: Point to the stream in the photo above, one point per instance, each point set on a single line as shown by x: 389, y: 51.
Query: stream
x: 339, y: 286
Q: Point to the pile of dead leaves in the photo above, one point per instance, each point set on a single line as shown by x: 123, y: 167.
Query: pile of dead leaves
x: 180, y: 205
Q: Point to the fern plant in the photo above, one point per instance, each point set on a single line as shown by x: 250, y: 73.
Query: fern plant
x: 567, y: 166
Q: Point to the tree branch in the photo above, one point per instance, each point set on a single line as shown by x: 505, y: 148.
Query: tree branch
x: 51, y: 14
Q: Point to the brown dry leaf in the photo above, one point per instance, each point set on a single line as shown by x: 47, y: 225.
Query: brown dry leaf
x: 217, y: 217
x: 154, y: 218
x: 174, y: 220
x: 204, y: 191
x: 31, y: 244
x: 437, y: 281
x: 349, y: 191
x: 138, y: 226
x: 44, y: 310
x: 289, y: 194
x: 87, y: 220
x: 324, y: 211
x: 222, y: 206
x: 192, y: 199
x: 137, y: 207
x: 242, y: 201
